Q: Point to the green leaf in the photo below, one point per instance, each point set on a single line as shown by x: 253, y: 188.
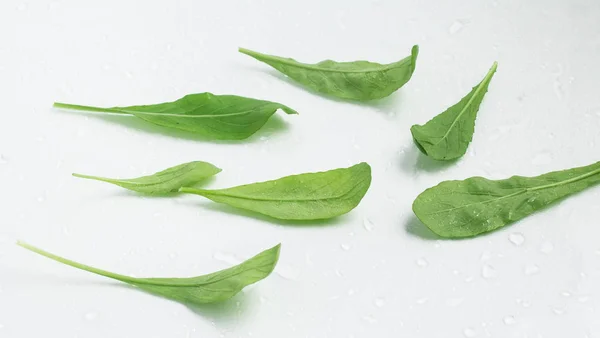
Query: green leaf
x: 358, y: 80
x: 309, y: 196
x: 211, y: 288
x: 477, y: 205
x: 166, y: 181
x: 447, y: 136
x: 222, y: 117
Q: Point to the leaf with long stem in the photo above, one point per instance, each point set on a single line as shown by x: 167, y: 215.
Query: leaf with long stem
x: 211, y: 288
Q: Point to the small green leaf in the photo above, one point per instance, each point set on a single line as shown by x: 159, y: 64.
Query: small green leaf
x: 477, y: 205
x: 309, y: 196
x: 358, y: 80
x: 211, y: 288
x: 166, y: 181
x: 447, y: 136
x: 222, y: 117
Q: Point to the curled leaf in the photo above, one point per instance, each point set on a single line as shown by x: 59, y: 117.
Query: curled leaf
x: 310, y: 196
x: 447, y: 136
x: 477, y: 205
x: 358, y: 80
x: 211, y: 288
x: 221, y: 117
x: 166, y: 181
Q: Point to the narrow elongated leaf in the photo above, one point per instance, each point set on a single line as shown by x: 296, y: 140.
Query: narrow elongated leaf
x: 477, y: 205
x: 447, y: 136
x: 166, y: 181
x: 309, y: 196
x: 211, y: 288
x: 358, y: 80
x: 224, y: 117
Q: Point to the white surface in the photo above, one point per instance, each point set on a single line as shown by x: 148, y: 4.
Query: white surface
x: 373, y: 273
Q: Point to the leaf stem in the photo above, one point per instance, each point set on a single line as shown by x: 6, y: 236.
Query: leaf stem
x: 74, y: 264
x: 88, y: 108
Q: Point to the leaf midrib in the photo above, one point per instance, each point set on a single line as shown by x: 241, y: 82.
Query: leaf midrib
x: 523, y: 191
x: 481, y: 85
x: 205, y: 192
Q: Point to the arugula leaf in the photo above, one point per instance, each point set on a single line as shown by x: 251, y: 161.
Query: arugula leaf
x: 309, y: 196
x: 476, y: 205
x: 447, y: 136
x: 211, y: 288
x: 358, y: 80
x: 166, y: 181
x: 223, y: 117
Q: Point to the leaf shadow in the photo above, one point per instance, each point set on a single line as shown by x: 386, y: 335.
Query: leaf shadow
x: 414, y: 227
x: 386, y: 105
x: 257, y: 216
x: 274, y: 125
x: 413, y: 160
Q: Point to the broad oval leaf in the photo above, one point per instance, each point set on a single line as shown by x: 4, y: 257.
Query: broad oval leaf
x: 447, y: 136
x: 166, y: 181
x: 309, y: 196
x: 211, y: 288
x: 358, y: 80
x: 477, y: 205
x: 222, y: 117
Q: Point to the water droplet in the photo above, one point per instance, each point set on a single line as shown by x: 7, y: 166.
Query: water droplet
x: 485, y: 256
x: 66, y: 231
x: 422, y: 262
x: 368, y: 225
x: 455, y: 27
x: 3, y: 160
x: 509, y: 320
x: 546, y: 248
x: 41, y: 199
x: 263, y: 138
x: 351, y: 292
x: 454, y: 302
x: 129, y: 75
x: 90, y: 316
x: 379, y: 302
x: 228, y: 258
x: 422, y: 301
x: 531, y: 269
x: 542, y: 158
x: 559, y: 311
x: 173, y: 255
x: 339, y: 273
x: 488, y: 271
x: 565, y: 294
x: 469, y: 279
x: 370, y: 319
x: 287, y: 272
x: 345, y: 246
x: 308, y: 259
x: 470, y: 332
x: 583, y: 299
x: 516, y: 238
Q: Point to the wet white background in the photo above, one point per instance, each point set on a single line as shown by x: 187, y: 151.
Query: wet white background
x: 376, y: 272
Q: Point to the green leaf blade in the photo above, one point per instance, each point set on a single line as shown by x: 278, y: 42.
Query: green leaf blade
x: 166, y: 181
x: 311, y: 196
x: 458, y: 209
x: 358, y: 80
x: 211, y: 288
x: 219, y: 117
x: 447, y: 136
